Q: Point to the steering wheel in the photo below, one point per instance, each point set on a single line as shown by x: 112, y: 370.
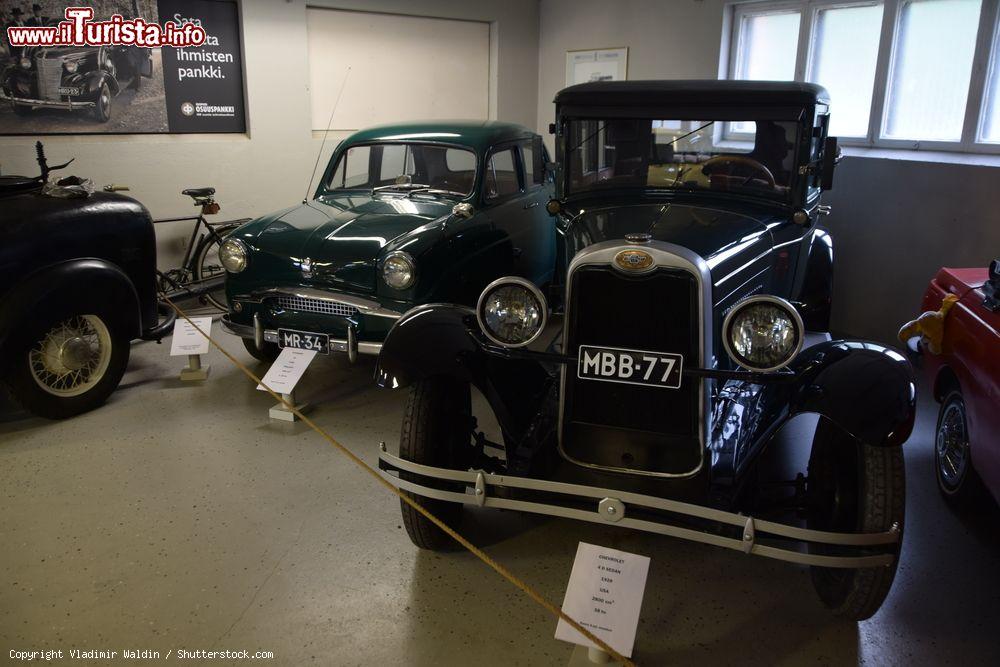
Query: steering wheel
x: 706, y: 167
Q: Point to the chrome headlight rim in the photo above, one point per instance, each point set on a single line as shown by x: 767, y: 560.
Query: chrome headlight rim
x: 71, y: 66
x: 406, y: 257
x: 535, y: 292
x: 770, y: 299
x: 243, y: 252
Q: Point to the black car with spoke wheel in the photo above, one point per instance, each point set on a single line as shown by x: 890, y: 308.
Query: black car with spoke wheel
x: 77, y: 285
x: 689, y: 322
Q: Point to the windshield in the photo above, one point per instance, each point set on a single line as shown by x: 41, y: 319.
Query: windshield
x: 405, y: 168
x: 750, y: 157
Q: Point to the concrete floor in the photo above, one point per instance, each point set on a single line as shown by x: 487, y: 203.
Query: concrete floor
x: 178, y: 517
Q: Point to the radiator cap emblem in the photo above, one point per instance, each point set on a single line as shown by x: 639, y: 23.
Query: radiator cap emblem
x: 633, y: 259
x: 638, y: 238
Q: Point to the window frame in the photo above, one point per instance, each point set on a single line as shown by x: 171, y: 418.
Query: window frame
x: 986, y: 56
x: 513, y: 147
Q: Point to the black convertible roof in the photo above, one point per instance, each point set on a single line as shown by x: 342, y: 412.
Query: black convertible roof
x: 693, y: 92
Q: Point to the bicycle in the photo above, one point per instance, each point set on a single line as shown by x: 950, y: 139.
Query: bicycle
x: 201, y: 273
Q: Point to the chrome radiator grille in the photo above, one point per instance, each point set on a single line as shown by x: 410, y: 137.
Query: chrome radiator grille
x: 321, y: 306
x: 49, y: 77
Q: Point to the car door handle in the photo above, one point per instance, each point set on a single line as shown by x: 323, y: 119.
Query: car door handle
x: 531, y: 205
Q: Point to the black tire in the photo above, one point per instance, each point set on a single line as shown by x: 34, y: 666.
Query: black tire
x: 854, y: 487
x: 267, y: 354
x: 956, y: 478
x: 32, y: 365
x: 436, y: 431
x: 102, y: 103
x: 206, y: 266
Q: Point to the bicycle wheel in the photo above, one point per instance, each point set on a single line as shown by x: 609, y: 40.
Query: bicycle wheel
x: 208, y: 268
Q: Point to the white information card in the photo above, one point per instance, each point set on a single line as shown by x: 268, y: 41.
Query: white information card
x: 605, y: 596
x: 287, y: 370
x: 187, y: 340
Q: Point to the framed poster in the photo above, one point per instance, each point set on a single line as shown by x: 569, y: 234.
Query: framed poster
x: 596, y: 65
x: 63, y: 86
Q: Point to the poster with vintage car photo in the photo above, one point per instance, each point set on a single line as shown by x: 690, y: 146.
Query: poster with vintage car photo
x: 117, y: 89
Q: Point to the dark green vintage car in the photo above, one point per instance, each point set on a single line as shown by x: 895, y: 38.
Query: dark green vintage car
x: 404, y: 215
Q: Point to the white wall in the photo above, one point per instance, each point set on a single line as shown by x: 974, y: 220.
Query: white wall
x: 269, y: 168
x: 894, y: 222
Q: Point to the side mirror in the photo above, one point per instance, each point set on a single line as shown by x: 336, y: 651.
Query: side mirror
x: 831, y: 156
x: 538, y: 158
x: 462, y: 210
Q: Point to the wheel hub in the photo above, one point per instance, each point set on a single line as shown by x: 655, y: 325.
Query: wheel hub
x: 952, y: 445
x: 75, y: 353
x: 72, y: 356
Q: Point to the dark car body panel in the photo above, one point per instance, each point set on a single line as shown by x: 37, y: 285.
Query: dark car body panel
x: 103, y: 244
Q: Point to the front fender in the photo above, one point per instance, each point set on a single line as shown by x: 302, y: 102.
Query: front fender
x: 865, y: 388
x: 74, y: 283
x: 95, y: 79
x: 443, y: 340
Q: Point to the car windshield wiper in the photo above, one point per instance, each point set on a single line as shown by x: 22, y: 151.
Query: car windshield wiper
x: 435, y: 191
x: 404, y: 187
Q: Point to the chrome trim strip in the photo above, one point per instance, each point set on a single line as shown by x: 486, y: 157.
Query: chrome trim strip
x: 748, y: 264
x: 366, y: 306
x: 47, y: 103
x: 666, y: 255
x: 752, y: 527
x: 271, y: 336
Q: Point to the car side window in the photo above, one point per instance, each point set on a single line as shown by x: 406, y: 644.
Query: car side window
x: 501, y: 175
x: 352, y: 170
x: 528, y: 160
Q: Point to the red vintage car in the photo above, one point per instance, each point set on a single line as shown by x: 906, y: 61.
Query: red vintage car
x: 965, y: 376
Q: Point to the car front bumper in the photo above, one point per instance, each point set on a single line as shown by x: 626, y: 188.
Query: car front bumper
x: 600, y: 505
x: 52, y: 104
x: 351, y: 334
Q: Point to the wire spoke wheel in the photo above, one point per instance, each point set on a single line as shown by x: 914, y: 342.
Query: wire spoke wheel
x: 72, y: 357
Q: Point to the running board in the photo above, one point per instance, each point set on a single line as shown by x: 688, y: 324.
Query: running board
x: 611, y: 507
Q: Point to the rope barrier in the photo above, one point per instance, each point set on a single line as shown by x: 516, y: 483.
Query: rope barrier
x: 476, y: 551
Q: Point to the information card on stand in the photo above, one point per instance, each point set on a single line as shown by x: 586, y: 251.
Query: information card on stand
x: 186, y: 339
x: 605, y: 596
x: 287, y: 370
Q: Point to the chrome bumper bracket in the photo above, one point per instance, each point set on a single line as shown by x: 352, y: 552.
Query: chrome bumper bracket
x: 610, y: 506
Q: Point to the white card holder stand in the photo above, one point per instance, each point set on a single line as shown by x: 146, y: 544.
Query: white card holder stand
x: 279, y: 412
x: 284, y: 374
x: 188, y: 341
x: 585, y: 656
x: 195, y: 371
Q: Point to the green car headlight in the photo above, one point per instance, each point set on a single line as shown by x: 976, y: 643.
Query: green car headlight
x: 512, y: 312
x: 399, y: 270
x: 233, y: 255
x: 763, y: 333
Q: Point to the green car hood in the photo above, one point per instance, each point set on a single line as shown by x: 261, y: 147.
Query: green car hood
x: 342, y: 237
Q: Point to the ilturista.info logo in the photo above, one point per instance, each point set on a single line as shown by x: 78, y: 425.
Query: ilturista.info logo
x: 79, y: 29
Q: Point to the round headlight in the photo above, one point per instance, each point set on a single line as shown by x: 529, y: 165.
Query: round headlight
x: 763, y: 333
x: 398, y: 270
x: 26, y: 63
x: 71, y: 66
x: 233, y: 255
x: 512, y: 312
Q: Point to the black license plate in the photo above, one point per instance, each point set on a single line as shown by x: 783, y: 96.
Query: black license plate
x: 69, y: 91
x: 304, y: 340
x: 641, y: 367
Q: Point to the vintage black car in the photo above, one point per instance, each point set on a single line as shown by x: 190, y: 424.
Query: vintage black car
x: 406, y: 214
x: 74, y: 77
x: 77, y: 284
x: 693, y: 304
